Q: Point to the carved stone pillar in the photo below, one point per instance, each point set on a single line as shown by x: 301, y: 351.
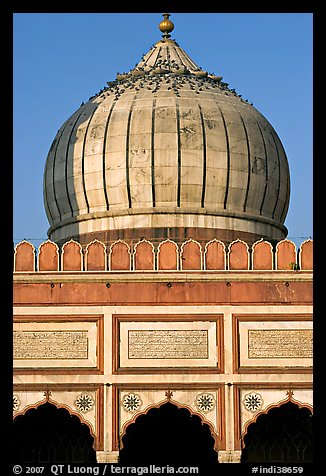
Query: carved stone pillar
x: 107, y: 456
x: 229, y: 456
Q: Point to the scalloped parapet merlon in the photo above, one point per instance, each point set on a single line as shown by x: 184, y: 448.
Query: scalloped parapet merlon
x: 166, y: 256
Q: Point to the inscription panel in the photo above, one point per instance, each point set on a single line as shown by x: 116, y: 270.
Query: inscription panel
x: 158, y: 344
x: 50, y: 345
x: 168, y: 344
x: 279, y: 343
x: 55, y: 344
x: 275, y: 343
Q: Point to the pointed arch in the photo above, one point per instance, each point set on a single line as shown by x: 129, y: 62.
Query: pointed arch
x: 167, y: 255
x: 215, y: 255
x: 48, y: 256
x: 120, y: 256
x: 144, y: 256
x: 95, y: 256
x: 280, y: 433
x: 52, y: 433
x: 285, y: 255
x: 191, y: 255
x: 238, y: 256
x: 24, y: 256
x: 71, y: 256
x: 169, y: 429
x: 306, y: 255
x: 262, y: 255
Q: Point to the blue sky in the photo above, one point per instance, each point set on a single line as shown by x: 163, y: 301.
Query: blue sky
x: 61, y: 59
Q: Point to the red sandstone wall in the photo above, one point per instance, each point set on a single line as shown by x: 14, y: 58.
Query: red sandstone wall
x: 190, y: 256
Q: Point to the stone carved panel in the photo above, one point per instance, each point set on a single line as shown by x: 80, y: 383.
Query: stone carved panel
x: 276, y: 343
x: 55, y: 344
x: 50, y: 345
x: 279, y: 343
x: 168, y: 344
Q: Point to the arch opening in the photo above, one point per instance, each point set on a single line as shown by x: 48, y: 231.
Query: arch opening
x: 282, y: 435
x: 168, y: 435
x: 48, y: 434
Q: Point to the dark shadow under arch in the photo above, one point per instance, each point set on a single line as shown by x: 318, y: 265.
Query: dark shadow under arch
x: 48, y: 434
x: 168, y: 435
x: 282, y: 435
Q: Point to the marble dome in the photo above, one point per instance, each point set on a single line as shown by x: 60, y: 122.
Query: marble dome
x: 166, y: 150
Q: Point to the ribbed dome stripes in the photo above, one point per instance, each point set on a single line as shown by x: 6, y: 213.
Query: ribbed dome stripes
x: 83, y: 159
x: 127, y: 157
x: 227, y: 184
x: 152, y: 152
x: 266, y: 168
x: 46, y: 194
x: 105, y: 188
x: 248, y: 161
x: 279, y: 176
x: 204, y: 156
x: 179, y: 153
x: 66, y: 165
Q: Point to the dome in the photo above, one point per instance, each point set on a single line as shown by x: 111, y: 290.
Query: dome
x: 166, y: 150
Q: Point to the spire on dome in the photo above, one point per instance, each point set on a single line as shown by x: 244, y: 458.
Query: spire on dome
x: 166, y: 26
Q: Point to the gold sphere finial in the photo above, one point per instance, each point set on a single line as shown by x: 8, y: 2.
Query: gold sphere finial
x: 166, y: 25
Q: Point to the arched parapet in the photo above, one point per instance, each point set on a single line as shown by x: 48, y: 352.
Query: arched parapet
x: 191, y: 255
x: 215, y: 255
x: 286, y: 255
x: 305, y: 255
x: 24, y: 257
x: 144, y: 256
x: 48, y: 256
x: 72, y: 256
x: 238, y: 256
x: 167, y: 256
x: 119, y: 256
x: 262, y: 255
x: 95, y: 256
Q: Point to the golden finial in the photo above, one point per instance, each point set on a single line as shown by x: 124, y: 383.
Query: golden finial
x: 166, y: 25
